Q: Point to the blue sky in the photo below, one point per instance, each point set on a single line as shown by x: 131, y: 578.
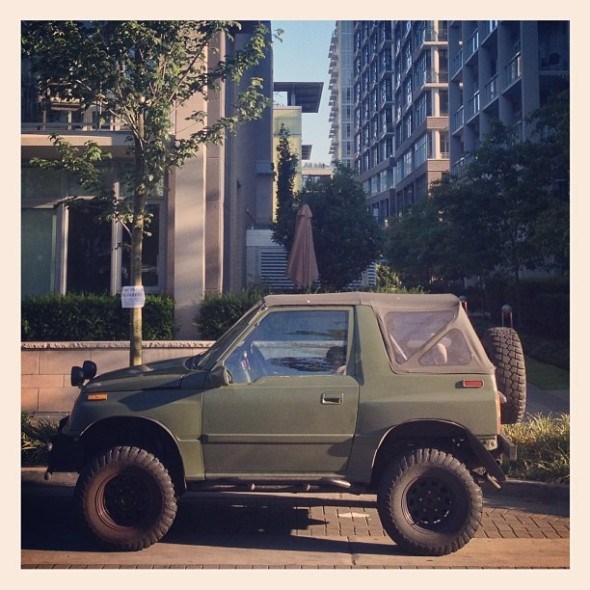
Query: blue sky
x: 302, y: 56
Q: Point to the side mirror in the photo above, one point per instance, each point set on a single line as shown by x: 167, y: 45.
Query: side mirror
x: 80, y: 374
x: 219, y: 376
x: 89, y: 369
x: 76, y: 376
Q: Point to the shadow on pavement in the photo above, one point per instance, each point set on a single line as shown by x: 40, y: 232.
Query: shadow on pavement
x: 50, y: 522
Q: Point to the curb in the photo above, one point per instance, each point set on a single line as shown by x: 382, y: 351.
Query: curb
x: 534, y: 490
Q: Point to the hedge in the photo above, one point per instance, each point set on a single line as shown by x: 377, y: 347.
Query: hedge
x: 217, y: 313
x: 59, y: 318
x: 541, y: 307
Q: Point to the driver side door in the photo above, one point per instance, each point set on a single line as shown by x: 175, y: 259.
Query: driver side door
x: 292, y: 405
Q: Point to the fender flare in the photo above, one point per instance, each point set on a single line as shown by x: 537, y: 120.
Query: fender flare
x: 442, y: 429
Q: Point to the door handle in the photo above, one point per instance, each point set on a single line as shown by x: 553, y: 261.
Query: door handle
x: 332, y: 399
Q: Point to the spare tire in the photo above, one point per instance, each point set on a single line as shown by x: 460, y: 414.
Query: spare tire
x: 504, y: 349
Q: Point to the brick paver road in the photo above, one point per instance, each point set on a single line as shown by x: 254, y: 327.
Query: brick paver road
x: 285, y: 531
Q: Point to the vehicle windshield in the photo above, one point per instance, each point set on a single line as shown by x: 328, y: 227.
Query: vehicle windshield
x: 208, y: 359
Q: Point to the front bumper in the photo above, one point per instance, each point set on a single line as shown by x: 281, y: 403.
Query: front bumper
x: 66, y: 453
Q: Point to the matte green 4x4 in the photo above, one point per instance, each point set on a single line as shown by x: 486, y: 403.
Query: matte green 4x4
x: 355, y: 391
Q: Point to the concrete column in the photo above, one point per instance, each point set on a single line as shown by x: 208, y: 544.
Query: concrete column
x: 189, y: 244
x: 187, y: 210
x: 215, y: 192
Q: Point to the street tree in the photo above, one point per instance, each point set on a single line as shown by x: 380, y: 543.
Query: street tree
x: 287, y: 161
x: 508, y: 211
x: 347, y: 238
x: 549, y: 157
x: 138, y: 73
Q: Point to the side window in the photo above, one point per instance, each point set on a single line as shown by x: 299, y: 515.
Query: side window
x: 451, y: 349
x: 293, y: 343
x: 410, y: 331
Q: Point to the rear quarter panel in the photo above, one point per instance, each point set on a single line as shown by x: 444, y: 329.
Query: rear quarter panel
x: 388, y: 399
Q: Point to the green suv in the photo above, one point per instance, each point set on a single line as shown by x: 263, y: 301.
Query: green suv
x: 358, y: 392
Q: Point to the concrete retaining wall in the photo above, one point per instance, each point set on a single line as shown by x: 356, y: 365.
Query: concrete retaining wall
x: 45, y: 367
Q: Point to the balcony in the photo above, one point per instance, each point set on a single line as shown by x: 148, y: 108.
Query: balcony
x: 513, y: 71
x: 430, y: 35
x: 458, y: 119
x: 490, y: 90
x: 459, y: 168
x: 457, y: 63
x: 487, y: 28
x: 472, y: 106
x: 516, y: 132
x: 471, y: 45
x: 430, y: 76
x: 61, y: 115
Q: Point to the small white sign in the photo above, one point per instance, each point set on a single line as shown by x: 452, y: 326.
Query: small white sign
x: 132, y: 297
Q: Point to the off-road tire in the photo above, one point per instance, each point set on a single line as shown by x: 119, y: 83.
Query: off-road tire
x: 429, y: 503
x: 126, y: 498
x: 504, y: 349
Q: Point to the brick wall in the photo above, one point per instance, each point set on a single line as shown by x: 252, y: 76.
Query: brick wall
x: 45, y: 367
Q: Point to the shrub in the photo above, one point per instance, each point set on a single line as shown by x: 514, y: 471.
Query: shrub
x: 82, y: 317
x: 552, y: 352
x: 544, y: 308
x: 543, y: 449
x: 34, y: 438
x: 217, y: 313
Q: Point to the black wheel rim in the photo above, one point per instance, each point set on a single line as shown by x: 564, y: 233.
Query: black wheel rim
x: 429, y: 503
x: 126, y: 500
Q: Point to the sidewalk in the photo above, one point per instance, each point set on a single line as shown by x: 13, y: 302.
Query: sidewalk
x: 525, y: 525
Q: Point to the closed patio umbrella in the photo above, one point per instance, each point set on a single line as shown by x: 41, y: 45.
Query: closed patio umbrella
x: 302, y: 267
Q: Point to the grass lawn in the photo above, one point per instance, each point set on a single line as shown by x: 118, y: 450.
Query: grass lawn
x: 546, y: 376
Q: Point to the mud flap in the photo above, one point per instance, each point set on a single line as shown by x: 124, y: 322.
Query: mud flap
x: 494, y: 471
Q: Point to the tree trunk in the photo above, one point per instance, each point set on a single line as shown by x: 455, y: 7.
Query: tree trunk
x: 136, y: 316
x: 136, y: 257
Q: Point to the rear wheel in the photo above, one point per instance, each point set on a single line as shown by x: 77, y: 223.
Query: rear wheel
x: 429, y: 503
x: 504, y: 348
x: 126, y: 498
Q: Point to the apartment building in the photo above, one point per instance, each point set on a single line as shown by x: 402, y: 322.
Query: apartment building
x: 200, y: 216
x: 501, y: 70
x: 412, y: 121
x: 400, y: 76
x: 341, y: 94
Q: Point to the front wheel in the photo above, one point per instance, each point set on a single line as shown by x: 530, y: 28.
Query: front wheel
x: 126, y: 498
x: 429, y: 503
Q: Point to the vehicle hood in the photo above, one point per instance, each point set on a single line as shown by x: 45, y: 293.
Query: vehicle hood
x: 166, y: 374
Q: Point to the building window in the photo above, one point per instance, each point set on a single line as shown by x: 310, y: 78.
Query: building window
x: 89, y: 251
x: 407, y: 56
x: 421, y: 150
x: 443, y: 101
x: 407, y: 158
x: 408, y: 92
x: 421, y: 188
x: 38, y: 252
x: 70, y: 250
x: 408, y: 126
x: 421, y: 110
x: 445, y: 146
x: 150, y: 271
